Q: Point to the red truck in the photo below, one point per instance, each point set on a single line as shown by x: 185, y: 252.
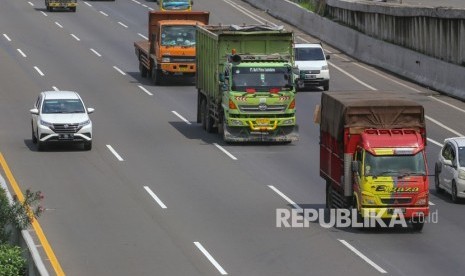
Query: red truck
x: 170, y: 48
x: 372, y: 155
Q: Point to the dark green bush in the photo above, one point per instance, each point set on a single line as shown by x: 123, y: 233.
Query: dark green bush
x: 12, y: 262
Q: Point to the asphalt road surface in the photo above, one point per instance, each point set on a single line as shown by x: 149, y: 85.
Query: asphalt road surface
x: 105, y: 212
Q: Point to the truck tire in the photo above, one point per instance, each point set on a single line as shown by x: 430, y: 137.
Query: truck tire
x: 203, y: 110
x: 221, y: 124
x: 208, y: 120
x: 156, y: 76
x: 418, y: 226
x: 329, y: 195
x: 143, y: 71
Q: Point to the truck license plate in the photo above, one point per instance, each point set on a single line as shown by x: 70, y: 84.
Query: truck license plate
x: 263, y: 121
x: 391, y: 211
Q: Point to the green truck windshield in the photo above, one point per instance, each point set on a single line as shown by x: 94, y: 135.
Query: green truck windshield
x: 394, y: 165
x: 178, y: 36
x: 261, y: 78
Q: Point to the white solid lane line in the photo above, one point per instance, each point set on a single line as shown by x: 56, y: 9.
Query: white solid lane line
x: 141, y: 35
x: 44, y: 13
x: 88, y: 4
x: 431, y: 203
x: 103, y: 13
x: 39, y: 71
x: 21, y: 52
x: 145, y: 6
x: 30, y: 3
x: 95, y: 52
x: 122, y: 24
x: 250, y: 14
x: 155, y: 197
x: 181, y: 117
x: 115, y: 153
x: 290, y: 201
x: 151, y: 9
x: 58, y: 24
x: 446, y: 103
x: 145, y: 90
x: 210, y: 258
x: 55, y: 88
x: 360, y: 254
x: 443, y: 126
x: 137, y: 2
x: 7, y: 37
x: 119, y: 70
x: 225, y: 151
x: 75, y: 37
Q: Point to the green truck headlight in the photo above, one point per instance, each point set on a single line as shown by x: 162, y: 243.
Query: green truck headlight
x: 288, y: 122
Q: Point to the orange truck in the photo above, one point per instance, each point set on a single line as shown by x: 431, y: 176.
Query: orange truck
x: 170, y: 48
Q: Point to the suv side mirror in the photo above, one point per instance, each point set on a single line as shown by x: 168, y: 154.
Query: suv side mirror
x: 90, y: 110
x: 448, y: 162
x: 328, y: 56
x: 34, y: 111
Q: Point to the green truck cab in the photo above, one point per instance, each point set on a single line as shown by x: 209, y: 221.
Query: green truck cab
x: 245, y: 83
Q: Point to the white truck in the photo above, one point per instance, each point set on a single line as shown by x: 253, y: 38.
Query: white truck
x: 310, y: 59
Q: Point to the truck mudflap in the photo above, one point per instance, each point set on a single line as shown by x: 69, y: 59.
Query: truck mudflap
x: 245, y: 134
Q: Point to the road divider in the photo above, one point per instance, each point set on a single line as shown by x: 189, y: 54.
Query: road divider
x: 30, y: 3
x: 88, y: 4
x: 43, y: 13
x: 143, y: 36
x: 7, y: 37
x: 21, y: 52
x: 103, y: 13
x: 112, y: 150
x: 225, y: 151
x: 145, y: 90
x: 361, y: 255
x: 55, y: 88
x: 181, y: 117
x: 210, y: 258
x: 75, y: 37
x: 95, y: 52
x: 125, y: 26
x: 119, y: 70
x: 290, y: 201
x: 155, y: 197
x: 39, y: 71
x: 58, y: 24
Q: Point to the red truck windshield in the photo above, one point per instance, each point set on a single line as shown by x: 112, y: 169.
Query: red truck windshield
x: 394, y: 165
x: 261, y: 78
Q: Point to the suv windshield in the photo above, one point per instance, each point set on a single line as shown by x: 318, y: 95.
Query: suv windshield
x: 261, y: 78
x: 398, y: 165
x: 178, y: 36
x: 309, y: 54
x: 63, y: 106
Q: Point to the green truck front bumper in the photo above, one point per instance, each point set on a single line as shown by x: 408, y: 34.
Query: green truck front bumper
x: 245, y: 134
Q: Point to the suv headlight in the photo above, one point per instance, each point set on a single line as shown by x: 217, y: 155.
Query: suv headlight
x: 324, y: 67
x: 84, y: 123
x: 461, y: 174
x: 47, y: 124
x: 165, y: 59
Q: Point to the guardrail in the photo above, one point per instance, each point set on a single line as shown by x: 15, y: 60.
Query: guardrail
x: 426, y: 70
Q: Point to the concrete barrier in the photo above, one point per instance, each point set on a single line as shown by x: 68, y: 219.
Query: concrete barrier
x: 436, y: 74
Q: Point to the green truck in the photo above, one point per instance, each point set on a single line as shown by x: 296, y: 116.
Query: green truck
x: 245, y: 83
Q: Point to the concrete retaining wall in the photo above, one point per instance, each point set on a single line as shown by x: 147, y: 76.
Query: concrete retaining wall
x: 431, y: 72
x: 436, y: 32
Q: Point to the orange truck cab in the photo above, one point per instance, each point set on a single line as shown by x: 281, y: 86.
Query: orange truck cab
x: 170, y: 48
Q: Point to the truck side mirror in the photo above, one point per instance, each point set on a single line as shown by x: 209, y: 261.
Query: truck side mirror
x: 355, y: 166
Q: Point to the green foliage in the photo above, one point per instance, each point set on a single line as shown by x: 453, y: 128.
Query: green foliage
x: 18, y: 214
x: 12, y: 262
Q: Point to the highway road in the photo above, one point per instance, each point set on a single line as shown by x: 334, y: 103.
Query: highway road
x: 170, y: 199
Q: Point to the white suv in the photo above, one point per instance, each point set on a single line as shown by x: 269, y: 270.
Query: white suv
x: 61, y: 116
x: 450, y: 168
x: 310, y: 59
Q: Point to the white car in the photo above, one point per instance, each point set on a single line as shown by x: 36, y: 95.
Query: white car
x: 450, y: 168
x: 61, y: 116
x: 310, y: 59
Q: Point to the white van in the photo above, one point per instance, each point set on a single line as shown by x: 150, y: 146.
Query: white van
x: 310, y: 59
